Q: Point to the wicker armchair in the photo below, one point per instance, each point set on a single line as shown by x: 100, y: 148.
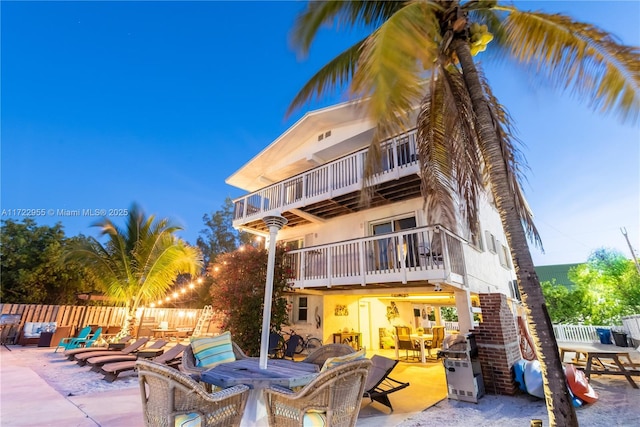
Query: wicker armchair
x: 189, y: 361
x: 321, y: 354
x: 167, y: 393
x: 337, y: 392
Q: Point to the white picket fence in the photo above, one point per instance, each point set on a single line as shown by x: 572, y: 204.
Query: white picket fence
x: 589, y: 333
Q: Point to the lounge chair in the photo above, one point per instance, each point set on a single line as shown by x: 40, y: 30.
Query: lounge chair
x: 81, y: 358
x: 83, y: 342
x: 170, y: 398
x: 334, y: 395
x: 66, y: 342
x: 97, y: 361
x: 171, y: 357
x: 379, y: 385
x: 321, y: 354
x: 119, y: 345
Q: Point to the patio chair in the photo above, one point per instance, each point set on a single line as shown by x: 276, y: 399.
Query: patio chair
x: 171, y: 358
x: 436, y: 342
x: 291, y: 345
x: 81, y: 358
x: 97, y: 361
x: 83, y: 342
x: 334, y: 396
x: 171, y: 398
x: 379, y: 385
x: 119, y: 345
x: 321, y: 354
x: 66, y: 342
x: 276, y: 346
x: 408, y: 345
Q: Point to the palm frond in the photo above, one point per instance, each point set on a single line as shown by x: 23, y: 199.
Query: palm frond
x: 515, y: 162
x: 393, y: 63
x: 347, y: 14
x: 331, y: 78
x: 578, y: 57
x: 449, y: 153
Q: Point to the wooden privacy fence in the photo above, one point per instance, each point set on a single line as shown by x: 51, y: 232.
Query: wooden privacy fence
x: 80, y: 316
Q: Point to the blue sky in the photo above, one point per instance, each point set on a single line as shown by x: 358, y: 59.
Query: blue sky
x: 108, y: 103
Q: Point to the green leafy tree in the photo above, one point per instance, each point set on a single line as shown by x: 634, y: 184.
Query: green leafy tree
x: 138, y: 263
x: 31, y: 268
x: 421, y: 53
x: 219, y: 236
x: 237, y: 292
x: 609, y: 287
x: 564, y: 304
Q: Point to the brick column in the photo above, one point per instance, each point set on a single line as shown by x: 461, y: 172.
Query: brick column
x: 498, y: 347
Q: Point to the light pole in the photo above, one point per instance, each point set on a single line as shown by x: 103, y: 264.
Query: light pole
x: 274, y: 223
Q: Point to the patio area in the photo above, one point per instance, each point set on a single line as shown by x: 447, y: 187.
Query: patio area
x: 39, y: 386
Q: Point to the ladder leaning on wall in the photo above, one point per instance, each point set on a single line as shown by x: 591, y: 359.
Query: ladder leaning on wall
x: 203, y: 321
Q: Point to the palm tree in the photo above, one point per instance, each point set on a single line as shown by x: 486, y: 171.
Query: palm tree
x: 421, y: 53
x: 137, y: 264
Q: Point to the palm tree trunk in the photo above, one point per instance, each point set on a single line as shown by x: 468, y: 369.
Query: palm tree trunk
x: 559, y: 404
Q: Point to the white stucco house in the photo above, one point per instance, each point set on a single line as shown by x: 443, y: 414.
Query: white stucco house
x: 349, y: 261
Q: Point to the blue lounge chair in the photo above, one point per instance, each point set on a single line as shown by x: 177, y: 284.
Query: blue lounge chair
x: 66, y: 342
x: 84, y: 342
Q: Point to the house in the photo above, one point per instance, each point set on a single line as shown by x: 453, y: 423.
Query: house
x: 558, y: 274
x: 365, y: 268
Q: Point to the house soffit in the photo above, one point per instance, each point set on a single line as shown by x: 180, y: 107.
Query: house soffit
x: 268, y: 166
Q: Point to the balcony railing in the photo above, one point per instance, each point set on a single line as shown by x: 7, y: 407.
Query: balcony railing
x: 342, y: 176
x: 419, y: 254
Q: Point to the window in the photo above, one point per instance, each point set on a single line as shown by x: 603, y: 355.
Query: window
x: 292, y: 245
x: 505, y: 257
x: 513, y: 288
x: 492, y: 245
x: 475, y: 239
x: 302, y: 309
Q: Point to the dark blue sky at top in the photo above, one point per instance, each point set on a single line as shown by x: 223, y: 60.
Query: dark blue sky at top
x: 107, y: 103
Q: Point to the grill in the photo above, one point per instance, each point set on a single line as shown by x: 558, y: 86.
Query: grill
x: 462, y: 369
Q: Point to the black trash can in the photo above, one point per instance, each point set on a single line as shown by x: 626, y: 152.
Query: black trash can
x: 604, y: 335
x: 620, y: 338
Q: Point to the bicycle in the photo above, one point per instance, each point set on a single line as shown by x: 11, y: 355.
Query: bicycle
x: 306, y: 344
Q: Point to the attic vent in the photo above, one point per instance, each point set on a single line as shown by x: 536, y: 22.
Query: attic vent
x: 320, y: 137
x: 327, y: 134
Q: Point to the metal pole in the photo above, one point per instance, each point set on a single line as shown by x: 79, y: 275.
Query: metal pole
x: 274, y: 223
x: 633, y: 254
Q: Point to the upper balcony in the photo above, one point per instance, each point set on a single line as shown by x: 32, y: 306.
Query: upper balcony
x: 333, y: 189
x: 416, y: 256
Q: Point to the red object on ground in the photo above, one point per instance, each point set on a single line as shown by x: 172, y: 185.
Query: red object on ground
x: 579, y: 384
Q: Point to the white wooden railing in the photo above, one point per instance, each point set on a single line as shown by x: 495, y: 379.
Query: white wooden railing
x: 583, y: 333
x: 421, y: 253
x: 342, y: 176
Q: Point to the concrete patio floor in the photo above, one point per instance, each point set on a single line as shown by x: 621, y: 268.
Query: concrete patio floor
x: 26, y: 399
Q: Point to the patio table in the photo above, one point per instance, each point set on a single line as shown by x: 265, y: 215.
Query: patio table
x: 286, y: 373
x: 600, y: 361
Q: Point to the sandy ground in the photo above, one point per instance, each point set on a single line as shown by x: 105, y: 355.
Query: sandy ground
x: 70, y: 379
x: 618, y: 404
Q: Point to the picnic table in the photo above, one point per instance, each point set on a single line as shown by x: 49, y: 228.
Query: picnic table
x: 286, y: 373
x: 602, y: 360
